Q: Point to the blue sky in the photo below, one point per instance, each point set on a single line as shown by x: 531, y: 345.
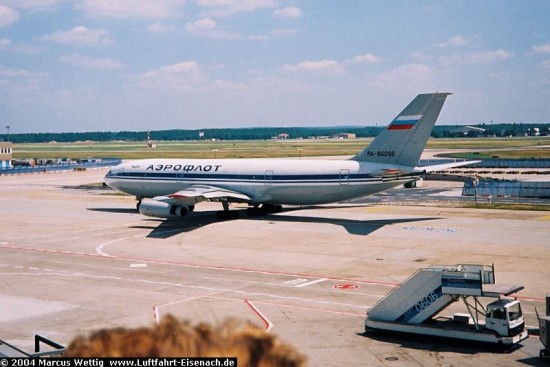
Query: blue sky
x: 113, y: 65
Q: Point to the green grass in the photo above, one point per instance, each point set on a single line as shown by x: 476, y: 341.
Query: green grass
x: 483, y: 148
x: 221, y: 149
x: 508, y: 206
x: 501, y: 147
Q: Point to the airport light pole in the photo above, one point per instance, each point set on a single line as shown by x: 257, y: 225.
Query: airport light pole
x: 8, y: 134
x: 476, y: 182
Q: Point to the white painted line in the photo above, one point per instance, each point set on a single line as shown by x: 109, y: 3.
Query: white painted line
x: 156, y: 316
x: 310, y: 282
x: 138, y: 265
x: 295, y: 282
x: 99, y: 249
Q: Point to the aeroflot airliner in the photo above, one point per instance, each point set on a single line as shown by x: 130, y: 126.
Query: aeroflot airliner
x: 169, y: 188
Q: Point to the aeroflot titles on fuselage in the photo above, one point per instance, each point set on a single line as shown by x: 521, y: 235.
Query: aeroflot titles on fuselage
x: 184, y: 168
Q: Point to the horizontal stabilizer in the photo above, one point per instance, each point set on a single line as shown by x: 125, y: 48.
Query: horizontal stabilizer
x: 444, y: 166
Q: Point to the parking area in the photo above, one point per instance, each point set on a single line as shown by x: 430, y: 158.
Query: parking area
x: 76, y: 258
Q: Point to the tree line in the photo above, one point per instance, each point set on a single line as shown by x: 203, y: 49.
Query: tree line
x: 265, y: 133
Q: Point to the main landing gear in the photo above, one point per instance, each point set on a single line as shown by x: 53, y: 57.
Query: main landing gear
x: 255, y: 211
x: 227, y: 214
x: 265, y: 209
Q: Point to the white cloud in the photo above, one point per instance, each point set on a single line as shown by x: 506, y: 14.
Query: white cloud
x: 225, y: 8
x: 207, y: 27
x: 79, y: 36
x: 21, y: 80
x: 21, y: 73
x: 124, y: 9
x: 161, y: 28
x: 485, y: 57
x: 324, y: 66
x: 227, y: 85
x: 456, y: 41
x: 35, y: 4
x: 8, y: 16
x: 288, y: 12
x: 201, y: 25
x: 543, y: 49
x: 283, y: 31
x: 7, y: 45
x: 183, y: 77
x: 404, y: 75
x: 186, y: 67
x: 330, y: 66
x: 367, y: 58
x: 421, y: 56
x: 89, y: 63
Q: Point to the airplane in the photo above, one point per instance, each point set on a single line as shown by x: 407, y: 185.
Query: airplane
x: 170, y: 188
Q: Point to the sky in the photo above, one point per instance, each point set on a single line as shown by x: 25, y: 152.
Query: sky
x: 123, y: 65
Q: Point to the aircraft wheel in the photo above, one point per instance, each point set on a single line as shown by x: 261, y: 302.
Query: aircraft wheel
x: 227, y: 215
x: 138, y: 204
x: 256, y: 211
x: 271, y: 208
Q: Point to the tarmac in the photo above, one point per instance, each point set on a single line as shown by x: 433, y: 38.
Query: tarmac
x: 75, y: 257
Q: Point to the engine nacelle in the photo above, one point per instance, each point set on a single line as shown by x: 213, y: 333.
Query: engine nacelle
x: 159, y: 209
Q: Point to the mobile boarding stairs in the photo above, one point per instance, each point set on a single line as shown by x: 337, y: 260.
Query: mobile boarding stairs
x: 413, y: 307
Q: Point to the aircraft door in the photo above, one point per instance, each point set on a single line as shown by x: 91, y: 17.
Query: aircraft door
x: 268, y: 179
x: 344, y: 177
x: 179, y: 176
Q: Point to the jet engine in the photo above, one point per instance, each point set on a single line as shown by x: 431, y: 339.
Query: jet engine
x: 159, y: 209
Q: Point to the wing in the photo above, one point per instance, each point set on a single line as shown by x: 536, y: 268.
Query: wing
x: 196, y: 193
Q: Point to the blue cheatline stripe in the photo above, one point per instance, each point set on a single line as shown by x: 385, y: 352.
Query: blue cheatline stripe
x: 153, y: 176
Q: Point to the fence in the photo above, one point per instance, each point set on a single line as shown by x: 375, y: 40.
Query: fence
x: 494, y: 163
x: 15, y: 170
x: 507, y: 188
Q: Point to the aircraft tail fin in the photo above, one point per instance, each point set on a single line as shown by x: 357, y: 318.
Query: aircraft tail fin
x: 404, y: 139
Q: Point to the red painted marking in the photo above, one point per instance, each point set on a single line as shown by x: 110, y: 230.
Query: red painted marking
x: 267, y: 323
x: 5, y: 245
x: 176, y: 263
x: 345, y: 286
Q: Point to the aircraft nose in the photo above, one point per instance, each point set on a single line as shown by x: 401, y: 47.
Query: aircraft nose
x: 108, y: 179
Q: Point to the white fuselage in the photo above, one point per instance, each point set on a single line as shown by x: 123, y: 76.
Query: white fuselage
x: 265, y: 181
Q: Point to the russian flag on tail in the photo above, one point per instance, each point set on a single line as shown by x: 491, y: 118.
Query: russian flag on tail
x: 404, y: 122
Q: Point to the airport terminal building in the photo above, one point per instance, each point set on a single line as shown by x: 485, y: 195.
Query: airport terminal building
x: 5, y: 154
